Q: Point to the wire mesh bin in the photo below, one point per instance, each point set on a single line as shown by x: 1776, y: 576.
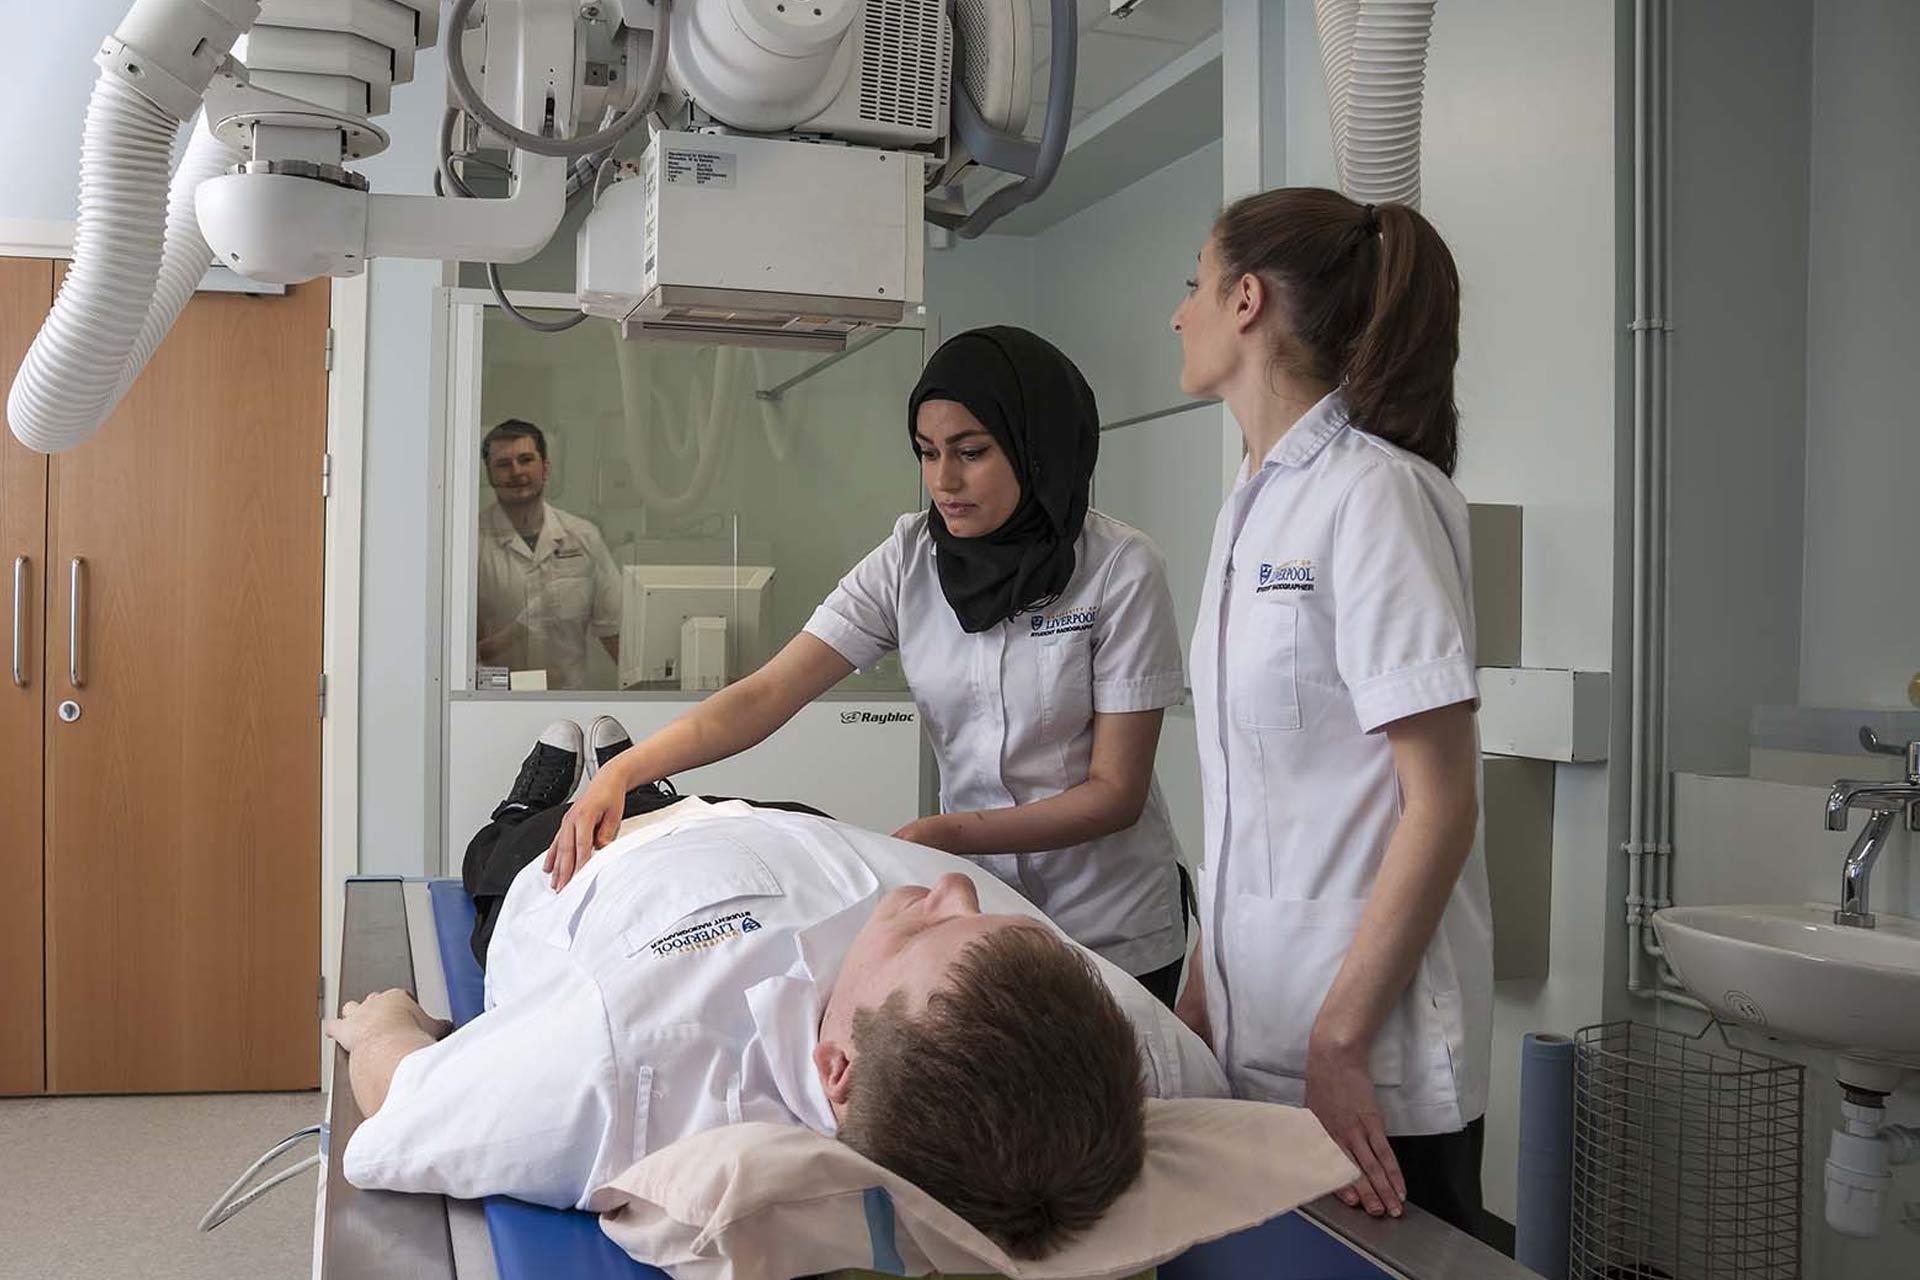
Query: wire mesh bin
x: 1686, y: 1158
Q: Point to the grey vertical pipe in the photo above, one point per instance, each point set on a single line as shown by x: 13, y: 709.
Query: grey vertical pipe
x: 1637, y: 755
x: 1543, y: 1215
x: 1658, y: 226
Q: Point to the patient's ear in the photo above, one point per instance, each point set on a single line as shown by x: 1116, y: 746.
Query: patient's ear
x: 835, y: 1066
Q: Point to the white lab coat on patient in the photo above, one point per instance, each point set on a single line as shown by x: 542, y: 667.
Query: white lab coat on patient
x: 676, y: 984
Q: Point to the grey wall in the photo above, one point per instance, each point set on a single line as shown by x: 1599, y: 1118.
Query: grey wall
x: 46, y: 76
x: 1106, y: 283
x: 1741, y: 137
x: 1107, y: 280
x: 973, y: 283
x: 1860, y: 640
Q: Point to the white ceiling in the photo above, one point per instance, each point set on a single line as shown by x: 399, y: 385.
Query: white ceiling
x: 1120, y: 136
x: 1125, y: 143
x: 1118, y: 53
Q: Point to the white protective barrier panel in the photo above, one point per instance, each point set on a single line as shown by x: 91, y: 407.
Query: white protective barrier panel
x: 857, y: 760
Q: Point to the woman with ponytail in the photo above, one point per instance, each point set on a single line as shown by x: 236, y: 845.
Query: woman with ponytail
x: 1345, y: 956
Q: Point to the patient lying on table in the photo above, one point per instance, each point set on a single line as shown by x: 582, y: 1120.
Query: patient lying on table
x: 721, y: 963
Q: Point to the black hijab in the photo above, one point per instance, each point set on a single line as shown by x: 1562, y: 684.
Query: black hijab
x: 1041, y: 411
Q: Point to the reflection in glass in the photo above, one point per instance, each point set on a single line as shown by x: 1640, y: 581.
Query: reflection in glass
x: 546, y: 585
x: 663, y: 515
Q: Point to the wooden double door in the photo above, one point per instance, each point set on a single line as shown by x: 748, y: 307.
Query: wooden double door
x: 159, y: 720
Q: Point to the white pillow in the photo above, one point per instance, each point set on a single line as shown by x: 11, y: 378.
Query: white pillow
x: 770, y: 1202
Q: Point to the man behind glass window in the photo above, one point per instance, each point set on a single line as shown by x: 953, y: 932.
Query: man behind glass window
x: 546, y: 579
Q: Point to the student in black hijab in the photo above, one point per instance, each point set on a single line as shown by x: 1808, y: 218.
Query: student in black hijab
x: 1038, y: 638
x: 1041, y: 413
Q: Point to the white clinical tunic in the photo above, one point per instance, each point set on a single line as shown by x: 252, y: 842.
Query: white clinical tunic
x: 1009, y: 712
x: 1337, y: 600
x: 564, y: 590
x: 675, y: 985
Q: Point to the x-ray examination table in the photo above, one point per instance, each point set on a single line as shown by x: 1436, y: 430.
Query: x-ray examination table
x: 413, y: 935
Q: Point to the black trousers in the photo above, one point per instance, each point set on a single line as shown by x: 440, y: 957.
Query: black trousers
x: 1165, y: 983
x: 1443, y: 1174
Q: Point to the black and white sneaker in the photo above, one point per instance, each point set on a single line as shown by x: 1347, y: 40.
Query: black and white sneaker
x: 606, y: 738
x: 549, y: 773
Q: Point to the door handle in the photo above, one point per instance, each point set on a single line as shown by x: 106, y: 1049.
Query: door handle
x: 19, y: 621
x: 76, y: 605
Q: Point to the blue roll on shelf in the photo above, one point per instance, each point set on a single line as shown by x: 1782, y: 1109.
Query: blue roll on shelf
x: 1545, y: 1195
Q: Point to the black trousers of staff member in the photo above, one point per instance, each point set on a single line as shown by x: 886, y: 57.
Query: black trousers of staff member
x: 1443, y: 1175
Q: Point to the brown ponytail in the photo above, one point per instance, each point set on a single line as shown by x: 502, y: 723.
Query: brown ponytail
x: 1371, y: 301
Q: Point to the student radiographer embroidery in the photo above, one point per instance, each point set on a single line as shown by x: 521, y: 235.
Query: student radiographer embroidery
x: 708, y: 933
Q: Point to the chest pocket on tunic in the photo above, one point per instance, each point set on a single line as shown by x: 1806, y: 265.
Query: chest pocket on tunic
x: 637, y: 905
x: 1065, y: 673
x: 690, y: 889
x: 1263, y: 666
x: 568, y: 578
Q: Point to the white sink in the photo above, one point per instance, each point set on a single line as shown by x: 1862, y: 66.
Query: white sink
x: 1794, y: 974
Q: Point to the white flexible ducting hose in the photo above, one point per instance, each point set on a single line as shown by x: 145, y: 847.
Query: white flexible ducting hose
x: 715, y: 436
x: 1335, y: 21
x: 67, y: 384
x: 779, y: 433
x: 185, y: 257
x: 682, y: 438
x: 634, y: 360
x: 1375, y: 55
x: 129, y: 281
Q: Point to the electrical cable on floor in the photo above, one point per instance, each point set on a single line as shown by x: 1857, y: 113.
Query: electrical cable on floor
x: 231, y: 1201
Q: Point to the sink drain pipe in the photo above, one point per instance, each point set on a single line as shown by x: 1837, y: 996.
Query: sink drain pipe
x: 1860, y: 1161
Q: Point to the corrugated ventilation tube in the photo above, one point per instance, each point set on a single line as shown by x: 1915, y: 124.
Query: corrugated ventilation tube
x: 128, y: 282
x: 1375, y: 56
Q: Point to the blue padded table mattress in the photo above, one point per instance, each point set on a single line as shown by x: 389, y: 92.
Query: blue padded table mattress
x: 529, y: 1240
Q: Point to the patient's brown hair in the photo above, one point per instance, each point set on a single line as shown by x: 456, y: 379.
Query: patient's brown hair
x: 1015, y: 1098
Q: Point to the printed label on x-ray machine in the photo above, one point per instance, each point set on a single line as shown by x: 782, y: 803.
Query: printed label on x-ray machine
x: 649, y: 271
x: 700, y: 168
x: 876, y: 717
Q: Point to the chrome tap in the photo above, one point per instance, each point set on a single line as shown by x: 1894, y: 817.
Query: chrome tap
x: 1885, y: 801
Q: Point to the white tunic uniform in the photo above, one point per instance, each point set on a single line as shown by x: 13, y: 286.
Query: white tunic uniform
x: 1010, y: 710
x: 564, y: 589
x: 676, y: 984
x: 1337, y: 600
